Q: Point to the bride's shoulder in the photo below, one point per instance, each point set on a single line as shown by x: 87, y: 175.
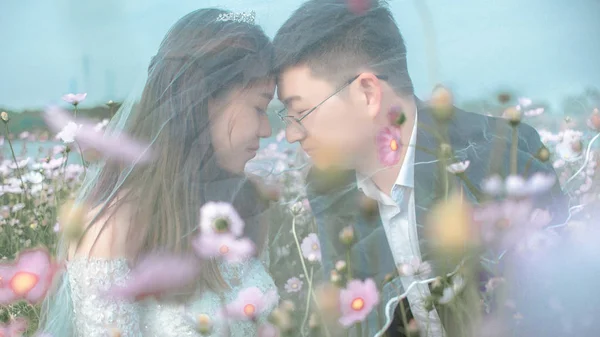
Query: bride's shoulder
x: 106, y: 227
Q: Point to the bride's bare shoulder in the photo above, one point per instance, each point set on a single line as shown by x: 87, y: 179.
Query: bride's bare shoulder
x: 106, y: 234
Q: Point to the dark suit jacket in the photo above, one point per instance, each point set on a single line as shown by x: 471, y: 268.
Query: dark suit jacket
x: 483, y: 140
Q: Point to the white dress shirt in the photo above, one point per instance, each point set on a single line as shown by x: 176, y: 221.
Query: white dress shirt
x: 399, y: 223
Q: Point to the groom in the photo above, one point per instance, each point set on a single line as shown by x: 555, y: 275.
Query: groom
x: 339, y: 74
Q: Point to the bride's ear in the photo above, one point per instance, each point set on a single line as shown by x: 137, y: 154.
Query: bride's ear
x: 371, y: 91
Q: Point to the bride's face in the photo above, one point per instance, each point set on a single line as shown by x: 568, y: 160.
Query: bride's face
x: 239, y: 122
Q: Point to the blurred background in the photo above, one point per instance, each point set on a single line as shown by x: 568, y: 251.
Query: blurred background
x: 544, y: 50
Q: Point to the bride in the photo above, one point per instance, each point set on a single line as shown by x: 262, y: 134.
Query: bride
x: 202, y: 111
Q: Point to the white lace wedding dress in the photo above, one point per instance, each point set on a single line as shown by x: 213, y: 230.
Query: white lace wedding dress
x: 95, y: 315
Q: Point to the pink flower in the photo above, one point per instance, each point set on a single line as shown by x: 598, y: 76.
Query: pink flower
x: 359, y: 7
x: 415, y: 267
x: 220, y: 217
x: 224, y: 246
x: 357, y: 301
x: 29, y: 278
x: 268, y: 330
x: 14, y: 328
x: 74, y: 99
x: 158, y: 274
x: 311, y: 249
x: 293, y: 285
x: 389, y: 145
x: 121, y: 148
x: 250, y: 303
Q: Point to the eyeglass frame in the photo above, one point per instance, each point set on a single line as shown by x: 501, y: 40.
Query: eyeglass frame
x: 299, y: 119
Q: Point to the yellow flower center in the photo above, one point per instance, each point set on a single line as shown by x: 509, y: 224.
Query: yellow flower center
x: 315, y: 246
x: 249, y: 309
x: 294, y: 285
x: 23, y: 282
x: 357, y: 304
x: 224, y: 250
x: 394, y: 145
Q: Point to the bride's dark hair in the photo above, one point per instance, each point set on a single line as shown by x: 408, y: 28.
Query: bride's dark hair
x: 202, y: 59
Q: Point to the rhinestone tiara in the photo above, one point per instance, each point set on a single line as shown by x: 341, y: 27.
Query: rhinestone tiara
x: 247, y: 17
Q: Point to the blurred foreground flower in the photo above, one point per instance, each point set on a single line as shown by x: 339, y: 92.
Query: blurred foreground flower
x: 517, y: 186
x: 68, y: 133
x: 158, y: 274
x: 72, y: 219
x: 442, y: 103
x: 4, y: 116
x: 74, y: 99
x: 415, y: 267
x: 311, y: 249
x: 250, y: 303
x: 268, y: 330
x: 28, y: 278
x: 224, y: 246
x: 357, y: 301
x: 389, y: 145
x: 15, y: 328
x: 220, y: 217
x: 358, y: 7
x: 450, y: 224
x: 119, y: 148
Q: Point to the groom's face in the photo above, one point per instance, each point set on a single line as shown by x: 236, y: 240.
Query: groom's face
x: 338, y: 130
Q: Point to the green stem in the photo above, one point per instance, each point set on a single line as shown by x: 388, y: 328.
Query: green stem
x: 309, y: 280
x: 478, y: 195
x: 513, y: 150
x: 527, y: 166
x: 349, y: 265
x: 82, y: 160
x: 403, y: 312
x: 76, y: 110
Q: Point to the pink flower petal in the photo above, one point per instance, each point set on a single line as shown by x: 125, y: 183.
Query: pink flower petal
x: 357, y: 301
x: 359, y: 7
x: 225, y: 246
x: 121, y: 148
x: 158, y: 274
x: 250, y: 303
x: 389, y: 145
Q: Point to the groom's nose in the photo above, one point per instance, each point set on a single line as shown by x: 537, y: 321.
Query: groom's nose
x: 293, y: 135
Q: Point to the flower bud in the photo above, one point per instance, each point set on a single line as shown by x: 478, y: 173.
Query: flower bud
x: 543, y: 154
x: 341, y: 266
x: 513, y: 116
x: 504, y: 97
x: 4, y: 116
x: 288, y: 305
x: 72, y: 219
x: 347, y: 235
x: 336, y: 278
x: 441, y: 103
x: 204, y: 324
x: 595, y: 119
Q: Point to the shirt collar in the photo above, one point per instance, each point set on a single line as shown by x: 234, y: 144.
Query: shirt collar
x: 406, y: 176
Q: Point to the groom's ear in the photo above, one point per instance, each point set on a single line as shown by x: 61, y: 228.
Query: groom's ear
x: 370, y: 88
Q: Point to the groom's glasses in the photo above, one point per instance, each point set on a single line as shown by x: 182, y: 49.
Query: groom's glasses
x: 296, y: 122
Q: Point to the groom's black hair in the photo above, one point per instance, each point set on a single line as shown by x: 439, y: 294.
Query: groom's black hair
x: 336, y: 43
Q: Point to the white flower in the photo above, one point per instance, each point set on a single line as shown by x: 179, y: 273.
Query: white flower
x: 524, y: 102
x: 458, y: 283
x: 459, y: 167
x: 68, y: 133
x: 540, y: 183
x: 534, y: 112
x: 493, y: 185
x: 311, y: 249
x: 74, y: 99
x: 220, y: 217
x: 21, y: 164
x: 18, y: 207
x: 34, y: 177
x: 101, y: 125
x: 414, y: 267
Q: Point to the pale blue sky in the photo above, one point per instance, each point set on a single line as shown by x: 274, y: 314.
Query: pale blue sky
x: 546, y: 49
